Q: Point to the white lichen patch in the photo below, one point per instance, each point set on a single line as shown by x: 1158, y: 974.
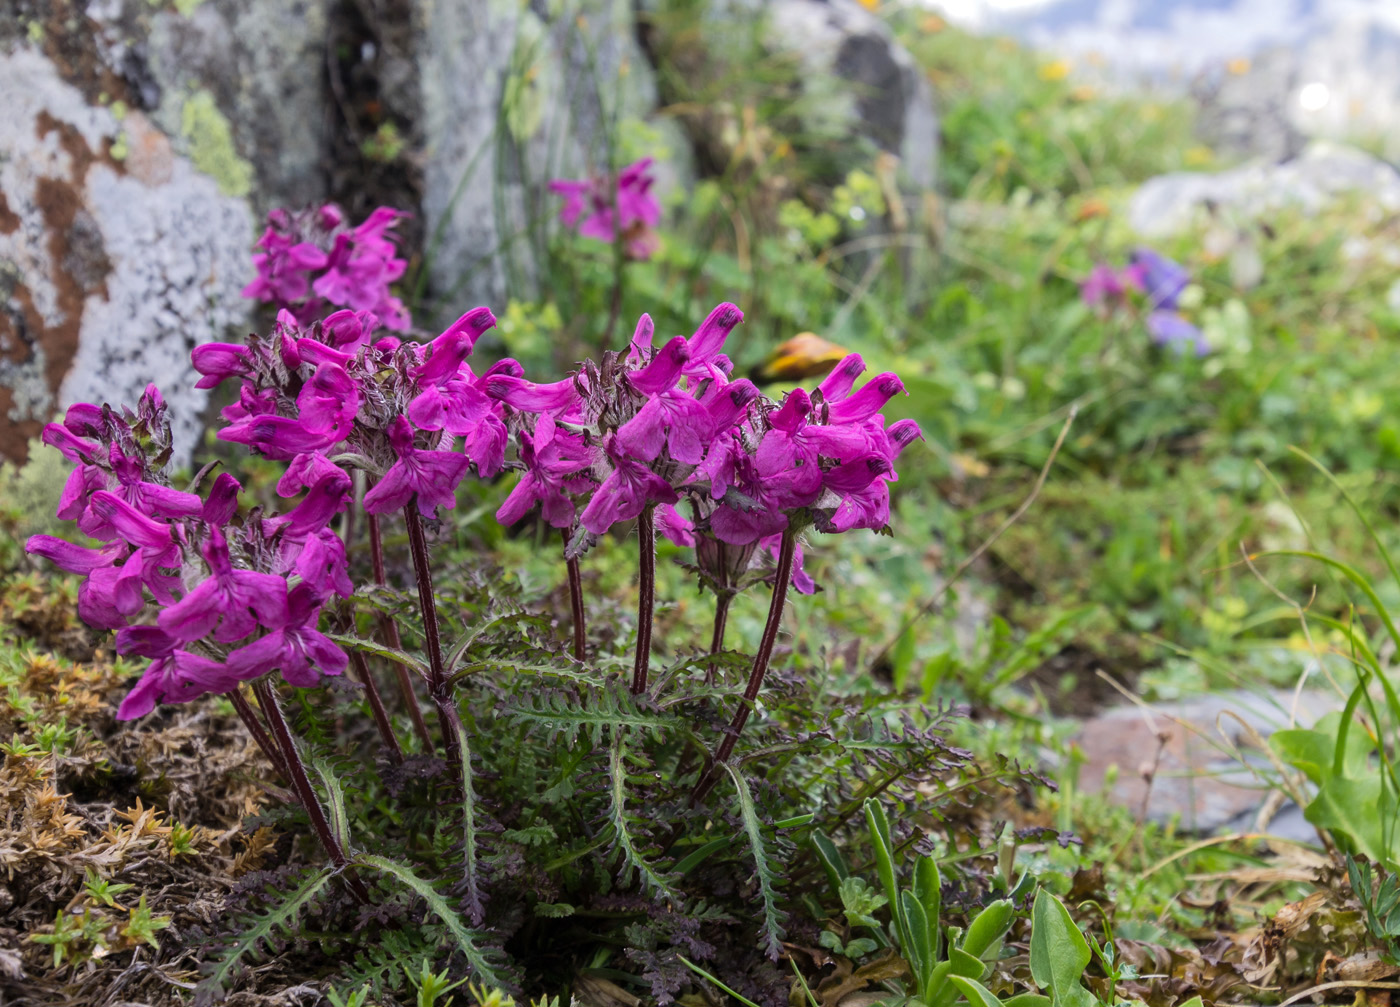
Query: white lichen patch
x: 109, y: 272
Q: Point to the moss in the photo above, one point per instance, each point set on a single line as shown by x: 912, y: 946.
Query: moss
x: 187, y: 7
x: 30, y: 492
x: 210, y: 144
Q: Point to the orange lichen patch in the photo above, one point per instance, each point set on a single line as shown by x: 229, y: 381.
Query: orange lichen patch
x: 9, y: 220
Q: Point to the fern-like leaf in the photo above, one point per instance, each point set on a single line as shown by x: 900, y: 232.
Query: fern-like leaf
x: 632, y: 858
x: 767, y: 877
x: 565, y: 715
x: 466, y: 940
x: 261, y: 931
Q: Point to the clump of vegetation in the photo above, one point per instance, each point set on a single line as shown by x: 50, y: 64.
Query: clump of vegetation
x: 390, y: 749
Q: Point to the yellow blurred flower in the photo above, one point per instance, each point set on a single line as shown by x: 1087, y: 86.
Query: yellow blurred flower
x: 1056, y: 70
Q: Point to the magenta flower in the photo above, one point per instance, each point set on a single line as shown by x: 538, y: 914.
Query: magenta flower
x: 236, y: 601
x: 174, y: 676
x: 218, y: 362
x: 150, y: 498
x: 864, y: 484
x: 554, y: 461
x: 802, y: 581
x: 596, y: 208
x: 74, y: 558
x: 625, y: 493
x: 431, y: 475
x: 310, y: 261
x: 284, y: 267
x: 674, y: 526
x: 294, y: 645
x: 1108, y: 286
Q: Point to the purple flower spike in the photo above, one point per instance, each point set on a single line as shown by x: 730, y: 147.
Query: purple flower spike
x: 237, y: 601
x: 294, y: 645
x: 598, y: 208
x: 431, y: 475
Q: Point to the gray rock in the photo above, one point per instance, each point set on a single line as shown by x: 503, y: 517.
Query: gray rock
x: 111, y: 268
x: 1193, y: 762
x: 1324, y: 172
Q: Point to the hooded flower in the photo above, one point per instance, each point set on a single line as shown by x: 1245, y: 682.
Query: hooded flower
x: 293, y: 645
x: 236, y: 601
x: 174, y: 675
x: 625, y: 493
x: 431, y: 475
x: 555, y: 462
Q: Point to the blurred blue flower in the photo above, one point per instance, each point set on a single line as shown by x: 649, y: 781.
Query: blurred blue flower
x: 1162, y: 279
x: 1168, y: 329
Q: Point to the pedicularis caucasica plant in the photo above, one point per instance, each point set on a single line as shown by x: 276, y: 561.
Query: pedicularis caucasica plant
x: 522, y: 775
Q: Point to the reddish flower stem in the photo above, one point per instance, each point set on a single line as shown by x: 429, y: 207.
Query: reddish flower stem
x: 646, y: 600
x: 249, y: 716
x: 576, y: 603
x: 710, y: 777
x: 267, y: 699
x: 722, y: 603
x: 376, y: 705
x: 390, y: 631
x: 432, y: 638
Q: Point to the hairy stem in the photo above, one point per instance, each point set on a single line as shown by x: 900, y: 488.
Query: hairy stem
x: 390, y: 631
x: 267, y: 699
x: 249, y: 716
x: 646, y: 601
x: 576, y: 603
x: 722, y: 603
x: 432, y: 638
x: 708, y: 779
x: 376, y: 705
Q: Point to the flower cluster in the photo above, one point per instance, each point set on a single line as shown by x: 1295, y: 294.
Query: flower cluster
x: 311, y: 263
x: 183, y: 579
x: 604, y: 208
x: 1159, y: 282
x: 326, y: 399
x: 637, y: 433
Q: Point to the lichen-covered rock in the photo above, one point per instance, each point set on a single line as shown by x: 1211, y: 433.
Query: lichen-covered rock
x: 116, y: 256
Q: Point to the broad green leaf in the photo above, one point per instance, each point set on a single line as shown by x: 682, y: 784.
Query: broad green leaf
x: 1059, y: 953
x: 977, y: 995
